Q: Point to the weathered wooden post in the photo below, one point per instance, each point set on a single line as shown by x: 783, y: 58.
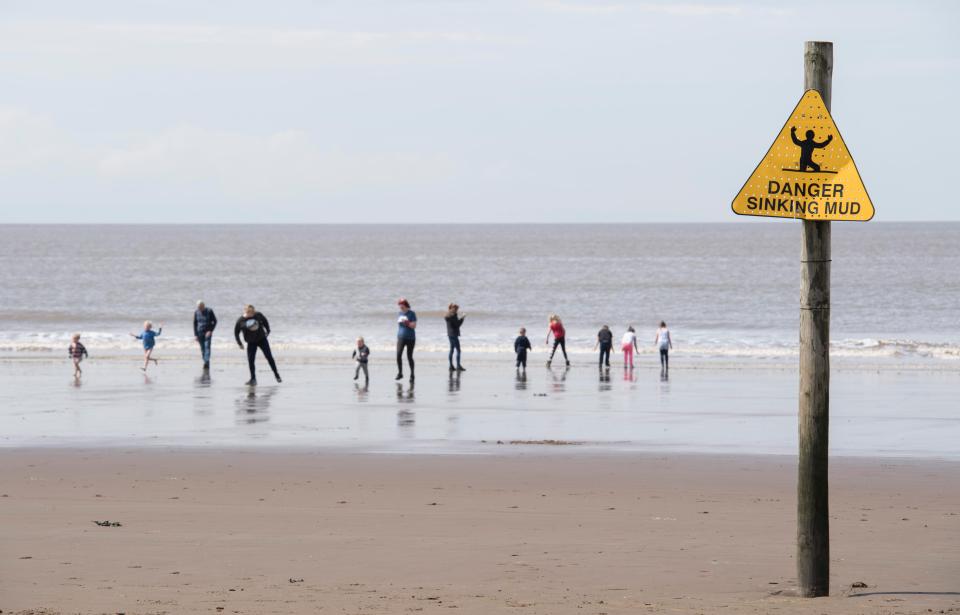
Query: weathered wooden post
x: 813, y: 521
x: 812, y: 179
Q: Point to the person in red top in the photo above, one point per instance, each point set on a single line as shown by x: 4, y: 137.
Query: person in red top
x: 559, y: 338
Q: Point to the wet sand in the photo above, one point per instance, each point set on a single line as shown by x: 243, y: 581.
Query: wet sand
x: 715, y: 410
x: 527, y: 529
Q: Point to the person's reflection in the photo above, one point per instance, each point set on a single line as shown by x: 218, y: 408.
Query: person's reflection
x: 521, y: 383
x: 76, y: 382
x: 254, y: 406
x: 605, y: 380
x: 202, y: 398
x: 453, y: 384
x: 406, y: 419
x: 405, y: 396
x: 560, y: 379
x: 628, y: 375
x: 203, y: 380
x: 362, y: 391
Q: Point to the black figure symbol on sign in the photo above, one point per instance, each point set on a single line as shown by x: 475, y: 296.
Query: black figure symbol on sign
x: 807, y: 165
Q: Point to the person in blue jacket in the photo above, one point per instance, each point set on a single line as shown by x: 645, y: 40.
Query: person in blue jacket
x: 149, y: 338
x: 406, y: 336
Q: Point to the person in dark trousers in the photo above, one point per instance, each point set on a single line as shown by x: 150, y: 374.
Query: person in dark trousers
x: 255, y: 330
x: 406, y: 336
x: 559, y: 338
x: 605, y: 343
x: 362, y: 355
x: 520, y: 346
x: 664, y: 343
x: 204, y: 322
x: 454, y: 321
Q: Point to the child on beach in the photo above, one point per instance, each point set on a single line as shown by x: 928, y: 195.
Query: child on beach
x: 361, y: 353
x: 559, y: 338
x: 629, y: 346
x: 520, y: 346
x: 77, y: 353
x: 605, y: 342
x: 148, y: 335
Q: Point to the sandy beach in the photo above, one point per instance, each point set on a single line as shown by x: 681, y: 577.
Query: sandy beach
x: 527, y: 529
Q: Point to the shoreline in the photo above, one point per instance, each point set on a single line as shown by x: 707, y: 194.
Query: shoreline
x: 286, y: 532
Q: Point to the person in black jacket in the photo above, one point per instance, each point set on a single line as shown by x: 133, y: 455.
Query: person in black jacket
x: 255, y: 330
x: 204, y: 322
x: 454, y: 320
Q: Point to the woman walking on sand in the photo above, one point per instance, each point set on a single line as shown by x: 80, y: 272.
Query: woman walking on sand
x: 406, y: 336
x: 454, y: 322
x: 629, y: 346
x: 559, y: 338
x: 664, y: 343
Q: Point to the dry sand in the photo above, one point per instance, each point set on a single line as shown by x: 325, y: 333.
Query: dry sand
x: 524, y: 529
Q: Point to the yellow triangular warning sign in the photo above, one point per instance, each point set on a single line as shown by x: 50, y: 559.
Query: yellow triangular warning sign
x: 808, y: 172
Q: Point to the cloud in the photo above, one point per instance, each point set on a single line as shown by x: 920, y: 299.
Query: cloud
x: 188, y: 160
x: 90, y: 46
x: 665, y: 8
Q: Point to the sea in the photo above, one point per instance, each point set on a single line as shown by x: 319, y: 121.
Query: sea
x: 729, y: 292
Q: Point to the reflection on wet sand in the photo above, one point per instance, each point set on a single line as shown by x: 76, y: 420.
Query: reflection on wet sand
x: 628, y: 374
x: 521, y: 384
x: 254, y: 407
x: 362, y: 391
x: 406, y: 419
x: 605, y: 384
x: 405, y: 396
x: 203, y: 404
x: 560, y: 379
x: 453, y: 383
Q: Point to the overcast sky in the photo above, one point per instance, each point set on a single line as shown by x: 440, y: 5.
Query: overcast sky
x: 455, y: 110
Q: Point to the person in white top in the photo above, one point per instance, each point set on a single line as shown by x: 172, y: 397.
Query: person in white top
x: 664, y: 343
x: 629, y: 346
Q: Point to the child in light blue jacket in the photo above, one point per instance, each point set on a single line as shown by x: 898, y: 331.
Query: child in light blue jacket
x: 148, y: 335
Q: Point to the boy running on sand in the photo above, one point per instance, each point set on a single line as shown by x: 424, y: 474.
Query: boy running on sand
x: 148, y: 335
x: 77, y: 353
x: 362, y: 354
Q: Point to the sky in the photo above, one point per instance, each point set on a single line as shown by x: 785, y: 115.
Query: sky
x: 447, y: 111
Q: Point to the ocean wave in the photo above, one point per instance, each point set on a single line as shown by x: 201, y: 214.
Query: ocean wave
x: 860, y: 348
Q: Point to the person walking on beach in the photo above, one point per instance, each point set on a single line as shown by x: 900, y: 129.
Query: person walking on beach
x: 664, y: 343
x: 362, y: 354
x: 256, y: 330
x: 629, y: 346
x: 454, y: 321
x: 605, y: 342
x: 204, y: 322
x: 559, y: 338
x: 406, y: 336
x: 149, y: 337
x: 520, y: 346
x: 77, y: 353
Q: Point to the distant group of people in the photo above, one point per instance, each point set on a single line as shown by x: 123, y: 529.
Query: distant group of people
x: 255, y: 329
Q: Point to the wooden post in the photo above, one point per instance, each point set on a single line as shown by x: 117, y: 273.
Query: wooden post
x: 813, y: 522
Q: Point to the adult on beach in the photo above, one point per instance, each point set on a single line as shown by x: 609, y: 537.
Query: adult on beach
x: 406, y: 336
x: 559, y: 338
x: 454, y: 321
x: 204, y: 322
x: 665, y: 344
x: 256, y: 330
